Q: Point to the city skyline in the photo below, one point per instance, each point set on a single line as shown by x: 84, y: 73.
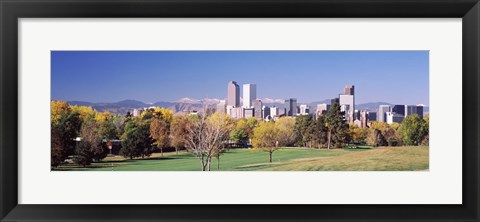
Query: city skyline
x: 150, y: 76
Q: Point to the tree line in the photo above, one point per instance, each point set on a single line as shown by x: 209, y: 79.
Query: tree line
x: 208, y: 136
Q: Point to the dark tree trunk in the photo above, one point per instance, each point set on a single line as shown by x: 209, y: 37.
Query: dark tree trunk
x: 218, y: 162
x: 202, y: 162
x: 329, y: 138
x: 271, y: 156
x: 161, y: 151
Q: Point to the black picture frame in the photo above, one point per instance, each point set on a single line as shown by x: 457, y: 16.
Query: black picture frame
x: 12, y: 10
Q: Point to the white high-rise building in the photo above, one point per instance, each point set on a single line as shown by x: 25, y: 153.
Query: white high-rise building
x: 347, y: 103
x: 273, y: 111
x: 249, y: 94
x: 392, y: 117
x: 322, y: 109
x: 304, y: 109
x: 382, y: 113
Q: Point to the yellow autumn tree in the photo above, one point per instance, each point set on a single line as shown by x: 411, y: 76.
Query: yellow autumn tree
x: 227, y: 122
x: 57, y: 108
x: 265, y: 137
x: 285, y: 127
x: 178, y: 131
x: 86, y: 112
x: 166, y: 114
x: 103, y: 117
x: 159, y: 132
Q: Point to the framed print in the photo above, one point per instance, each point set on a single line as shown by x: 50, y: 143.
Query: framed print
x: 227, y: 110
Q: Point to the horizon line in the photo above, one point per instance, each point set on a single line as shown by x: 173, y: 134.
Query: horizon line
x: 150, y: 103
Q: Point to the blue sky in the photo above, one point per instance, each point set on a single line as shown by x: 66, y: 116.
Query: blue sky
x: 400, y: 77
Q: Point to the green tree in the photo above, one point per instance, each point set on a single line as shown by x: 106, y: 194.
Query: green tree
x: 304, y: 130
x: 337, y: 128
x: 58, y: 151
x: 265, y: 137
x: 426, y: 130
x: 413, y: 130
x: 107, y: 126
x: 119, y: 122
x: 320, y: 131
x: 65, y: 126
x: 243, y: 130
x: 238, y: 135
x: 136, y: 141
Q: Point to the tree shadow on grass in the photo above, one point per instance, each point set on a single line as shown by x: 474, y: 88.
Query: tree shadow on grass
x: 161, y: 158
x: 258, y: 166
x: 79, y: 168
x: 115, y: 163
x: 359, y: 148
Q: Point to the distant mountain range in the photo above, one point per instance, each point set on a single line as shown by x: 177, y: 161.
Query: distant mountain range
x: 188, y: 104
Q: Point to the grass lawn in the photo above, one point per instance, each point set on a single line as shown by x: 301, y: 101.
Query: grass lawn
x: 285, y: 159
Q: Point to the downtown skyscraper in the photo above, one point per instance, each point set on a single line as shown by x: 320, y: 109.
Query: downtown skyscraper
x: 233, y: 96
x: 347, y: 103
x: 291, y: 106
x: 249, y: 94
x: 349, y: 90
x: 382, y: 113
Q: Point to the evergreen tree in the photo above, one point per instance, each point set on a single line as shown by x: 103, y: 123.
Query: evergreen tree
x: 321, y: 131
x: 136, y: 141
x: 304, y: 130
x: 337, y: 128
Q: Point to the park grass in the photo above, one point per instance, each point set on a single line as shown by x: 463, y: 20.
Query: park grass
x: 378, y: 159
x: 284, y: 159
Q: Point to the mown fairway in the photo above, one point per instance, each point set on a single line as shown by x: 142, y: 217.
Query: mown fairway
x: 286, y: 159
